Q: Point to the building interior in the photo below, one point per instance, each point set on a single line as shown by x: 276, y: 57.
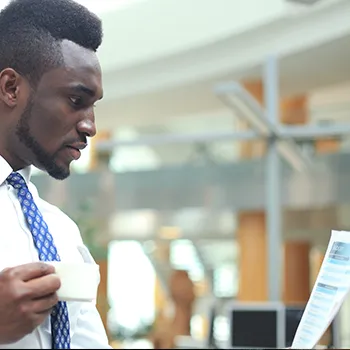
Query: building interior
x: 220, y: 168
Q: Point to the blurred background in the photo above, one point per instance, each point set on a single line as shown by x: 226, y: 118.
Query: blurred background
x: 220, y: 168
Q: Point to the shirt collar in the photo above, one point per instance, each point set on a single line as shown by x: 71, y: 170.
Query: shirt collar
x: 6, y: 170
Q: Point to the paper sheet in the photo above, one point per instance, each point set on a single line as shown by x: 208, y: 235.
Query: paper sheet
x: 331, y: 287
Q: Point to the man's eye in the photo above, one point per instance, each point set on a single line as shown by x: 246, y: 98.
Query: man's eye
x: 76, y: 100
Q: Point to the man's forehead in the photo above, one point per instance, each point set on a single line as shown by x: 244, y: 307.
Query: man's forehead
x: 76, y: 56
x: 80, y: 68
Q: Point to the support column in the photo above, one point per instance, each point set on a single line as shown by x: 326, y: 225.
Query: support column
x: 327, y: 146
x: 294, y: 110
x: 316, y: 262
x: 296, y: 286
x: 271, y: 231
x: 252, y: 226
x: 296, y: 267
x: 251, y: 237
x: 251, y: 233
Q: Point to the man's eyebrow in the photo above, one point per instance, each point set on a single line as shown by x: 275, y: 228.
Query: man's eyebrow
x: 84, y: 89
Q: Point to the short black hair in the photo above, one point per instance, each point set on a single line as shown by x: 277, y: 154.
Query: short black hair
x: 31, y: 32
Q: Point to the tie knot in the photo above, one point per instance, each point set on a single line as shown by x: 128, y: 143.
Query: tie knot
x: 16, y: 180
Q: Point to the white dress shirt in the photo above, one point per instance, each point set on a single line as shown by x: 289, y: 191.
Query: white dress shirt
x: 17, y: 247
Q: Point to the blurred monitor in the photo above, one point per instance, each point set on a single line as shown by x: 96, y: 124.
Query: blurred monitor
x: 335, y: 334
x: 188, y: 342
x: 256, y: 325
x: 293, y: 317
x: 211, y: 328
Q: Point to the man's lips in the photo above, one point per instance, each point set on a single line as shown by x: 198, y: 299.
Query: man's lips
x: 78, y: 145
x: 74, y: 149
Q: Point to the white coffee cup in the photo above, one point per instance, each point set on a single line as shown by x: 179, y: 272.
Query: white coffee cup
x: 79, y: 281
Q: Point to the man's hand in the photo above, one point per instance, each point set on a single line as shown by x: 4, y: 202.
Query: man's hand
x: 27, y: 295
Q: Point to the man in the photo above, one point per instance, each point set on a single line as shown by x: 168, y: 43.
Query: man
x: 50, y: 79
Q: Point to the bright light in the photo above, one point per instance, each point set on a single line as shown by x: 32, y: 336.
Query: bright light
x: 131, y: 280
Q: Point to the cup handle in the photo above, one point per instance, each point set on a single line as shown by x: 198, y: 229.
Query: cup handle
x: 86, y: 255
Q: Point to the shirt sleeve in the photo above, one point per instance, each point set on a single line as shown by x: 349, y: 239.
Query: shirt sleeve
x: 90, y: 332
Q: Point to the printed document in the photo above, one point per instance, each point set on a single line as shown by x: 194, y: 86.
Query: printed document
x: 331, y: 287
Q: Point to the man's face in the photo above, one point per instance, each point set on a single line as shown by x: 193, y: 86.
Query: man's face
x: 59, y: 115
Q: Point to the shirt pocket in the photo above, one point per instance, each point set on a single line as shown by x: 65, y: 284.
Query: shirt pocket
x: 77, y: 254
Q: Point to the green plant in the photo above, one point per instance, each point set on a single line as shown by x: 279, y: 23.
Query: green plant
x: 89, y: 229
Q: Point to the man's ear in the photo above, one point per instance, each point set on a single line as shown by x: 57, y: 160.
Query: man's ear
x: 10, y: 87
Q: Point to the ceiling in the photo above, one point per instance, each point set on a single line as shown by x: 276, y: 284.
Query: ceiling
x: 314, y: 68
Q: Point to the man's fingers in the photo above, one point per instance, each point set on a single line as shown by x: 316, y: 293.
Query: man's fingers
x: 30, y: 271
x: 43, y: 306
x: 43, y: 286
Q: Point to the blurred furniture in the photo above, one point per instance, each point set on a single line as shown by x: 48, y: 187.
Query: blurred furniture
x: 182, y: 295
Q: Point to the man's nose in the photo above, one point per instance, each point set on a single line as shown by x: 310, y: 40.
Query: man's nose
x: 87, y: 127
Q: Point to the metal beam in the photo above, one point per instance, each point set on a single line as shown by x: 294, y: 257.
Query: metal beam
x: 247, y: 107
x: 218, y: 186
x: 207, y: 268
x: 293, y: 155
x: 154, y: 140
x: 296, y: 132
x: 312, y: 132
x: 162, y: 271
x: 236, y: 97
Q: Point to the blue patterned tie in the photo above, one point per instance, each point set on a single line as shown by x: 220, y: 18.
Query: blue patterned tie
x: 47, y: 252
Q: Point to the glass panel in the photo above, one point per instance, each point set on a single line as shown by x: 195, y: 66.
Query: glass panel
x: 225, y: 281
x: 129, y: 271
x: 183, y: 256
